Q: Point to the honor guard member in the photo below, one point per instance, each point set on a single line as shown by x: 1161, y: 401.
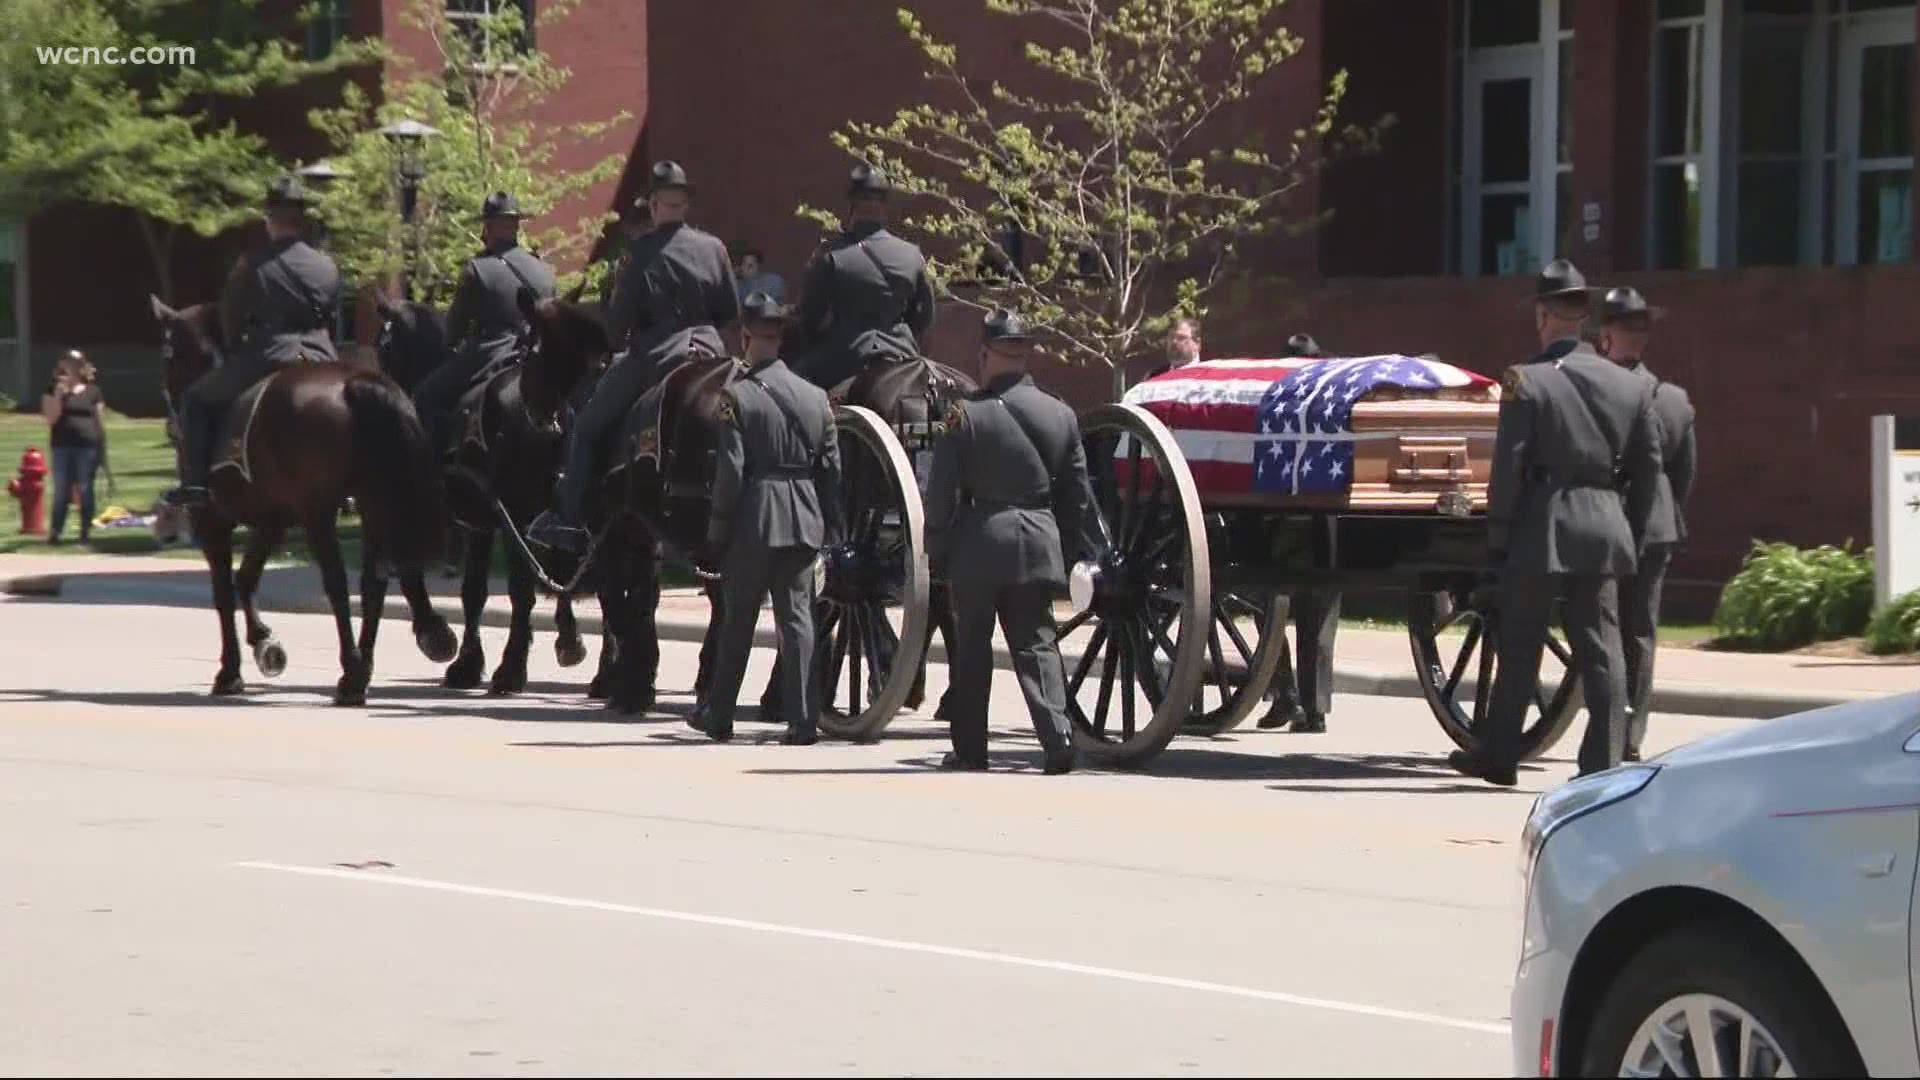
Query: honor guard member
x: 1626, y: 324
x: 867, y: 295
x: 776, y: 503
x: 1558, y: 527
x: 277, y: 309
x: 486, y: 326
x: 1009, y: 508
x: 675, y: 296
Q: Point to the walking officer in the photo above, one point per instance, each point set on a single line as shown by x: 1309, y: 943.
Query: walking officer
x: 1626, y: 323
x: 277, y: 308
x: 1009, y: 508
x: 486, y: 327
x: 1571, y: 424
x: 675, y: 296
x: 867, y: 295
x: 775, y: 505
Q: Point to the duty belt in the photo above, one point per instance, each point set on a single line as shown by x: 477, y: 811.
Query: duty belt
x: 784, y: 472
x: 1587, y: 477
x: 1006, y: 504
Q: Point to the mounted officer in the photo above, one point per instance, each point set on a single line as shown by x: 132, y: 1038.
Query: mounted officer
x: 675, y: 296
x: 867, y: 295
x: 486, y: 325
x: 277, y: 309
x: 776, y: 503
x: 1573, y: 427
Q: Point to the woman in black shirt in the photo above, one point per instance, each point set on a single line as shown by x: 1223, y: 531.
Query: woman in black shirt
x: 72, y: 407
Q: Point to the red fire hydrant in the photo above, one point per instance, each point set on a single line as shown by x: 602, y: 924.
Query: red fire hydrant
x: 30, y: 487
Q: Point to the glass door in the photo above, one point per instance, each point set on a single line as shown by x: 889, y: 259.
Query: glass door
x: 1874, y: 212
x: 1503, y: 99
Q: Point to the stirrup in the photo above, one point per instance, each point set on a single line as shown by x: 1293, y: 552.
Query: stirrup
x: 187, y: 495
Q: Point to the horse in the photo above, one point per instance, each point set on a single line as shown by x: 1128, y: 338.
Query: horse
x: 294, y: 448
x: 502, y: 454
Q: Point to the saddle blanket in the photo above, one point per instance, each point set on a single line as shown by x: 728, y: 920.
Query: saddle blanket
x: 230, y: 452
x: 1285, y: 426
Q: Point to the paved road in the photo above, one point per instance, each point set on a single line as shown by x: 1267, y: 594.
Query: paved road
x: 446, y: 884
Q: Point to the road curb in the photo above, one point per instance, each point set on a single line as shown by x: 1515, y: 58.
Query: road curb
x: 1687, y: 699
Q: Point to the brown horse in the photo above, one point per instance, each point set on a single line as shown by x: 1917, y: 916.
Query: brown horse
x: 295, y: 448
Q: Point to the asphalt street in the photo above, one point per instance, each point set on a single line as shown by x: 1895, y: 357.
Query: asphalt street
x: 445, y: 883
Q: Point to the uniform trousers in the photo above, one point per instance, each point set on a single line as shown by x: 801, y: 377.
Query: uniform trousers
x: 1305, y: 683
x: 1639, y: 627
x: 615, y: 394
x: 1025, y: 614
x: 1593, y: 635
x: 750, y: 575
x: 202, y: 406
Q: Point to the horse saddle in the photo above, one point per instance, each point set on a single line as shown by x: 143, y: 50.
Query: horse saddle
x: 647, y: 432
x: 230, y: 450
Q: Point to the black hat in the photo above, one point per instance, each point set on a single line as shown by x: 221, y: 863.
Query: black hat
x: 1303, y: 345
x: 1561, y: 280
x: 285, y: 190
x: 868, y: 180
x: 1626, y: 303
x: 1004, y: 325
x: 761, y: 307
x: 667, y: 175
x: 500, y: 205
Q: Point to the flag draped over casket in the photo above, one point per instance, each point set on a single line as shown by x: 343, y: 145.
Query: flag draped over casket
x: 1283, y: 427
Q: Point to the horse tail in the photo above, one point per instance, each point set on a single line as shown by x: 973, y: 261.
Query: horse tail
x: 402, y: 496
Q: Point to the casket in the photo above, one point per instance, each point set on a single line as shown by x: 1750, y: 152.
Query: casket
x: 1385, y: 433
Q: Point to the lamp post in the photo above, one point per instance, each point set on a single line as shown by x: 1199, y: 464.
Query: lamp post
x: 409, y: 138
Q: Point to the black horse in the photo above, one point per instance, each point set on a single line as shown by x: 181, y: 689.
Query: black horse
x: 502, y: 459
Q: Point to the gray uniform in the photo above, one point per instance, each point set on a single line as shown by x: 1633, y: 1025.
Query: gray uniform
x: 1008, y: 485
x: 1640, y: 593
x: 1572, y: 423
x: 776, y: 503
x: 485, y: 326
x: 867, y: 296
x: 277, y: 308
x: 676, y: 293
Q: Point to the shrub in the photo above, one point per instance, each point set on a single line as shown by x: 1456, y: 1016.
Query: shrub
x: 7, y: 403
x: 1896, y: 627
x: 1785, y: 597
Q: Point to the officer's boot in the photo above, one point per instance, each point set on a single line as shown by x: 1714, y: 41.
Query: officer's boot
x: 196, y: 453
x: 1058, y: 745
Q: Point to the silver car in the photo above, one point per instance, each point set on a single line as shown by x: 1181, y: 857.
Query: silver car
x: 1740, y: 906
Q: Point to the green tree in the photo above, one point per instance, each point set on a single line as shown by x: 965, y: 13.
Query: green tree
x: 1114, y: 161
x: 156, y: 138
x: 481, y: 89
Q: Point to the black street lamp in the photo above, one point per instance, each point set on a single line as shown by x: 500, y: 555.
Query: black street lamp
x: 409, y: 138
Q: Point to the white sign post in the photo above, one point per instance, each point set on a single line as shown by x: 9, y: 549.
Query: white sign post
x: 1896, y: 513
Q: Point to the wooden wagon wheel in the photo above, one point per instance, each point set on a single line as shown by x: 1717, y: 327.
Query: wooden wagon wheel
x: 1443, y: 667
x: 1145, y: 631
x: 870, y: 624
x: 1244, y: 650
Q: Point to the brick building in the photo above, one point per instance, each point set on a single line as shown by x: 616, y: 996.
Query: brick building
x: 1747, y: 163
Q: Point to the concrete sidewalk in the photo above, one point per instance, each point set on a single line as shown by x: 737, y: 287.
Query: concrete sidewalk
x: 1687, y: 681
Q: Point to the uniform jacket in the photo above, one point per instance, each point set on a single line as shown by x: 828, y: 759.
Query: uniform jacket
x: 777, y: 475
x: 1000, y: 500
x: 867, y: 294
x: 279, y: 303
x: 1571, y: 424
x: 677, y: 287
x: 1675, y: 413
x: 485, y: 321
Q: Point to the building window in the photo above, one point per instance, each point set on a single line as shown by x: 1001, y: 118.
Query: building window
x: 326, y: 27
x: 1516, y: 134
x: 480, y: 23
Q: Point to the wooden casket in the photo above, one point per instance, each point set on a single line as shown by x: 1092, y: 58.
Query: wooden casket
x: 1376, y: 433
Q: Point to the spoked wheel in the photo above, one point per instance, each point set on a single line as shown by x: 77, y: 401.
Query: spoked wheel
x: 1244, y: 650
x: 1136, y: 656
x: 1456, y: 673
x: 870, y: 624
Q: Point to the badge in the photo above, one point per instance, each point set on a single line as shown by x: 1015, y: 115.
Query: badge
x: 1510, y: 381
x: 956, y: 415
x: 725, y: 410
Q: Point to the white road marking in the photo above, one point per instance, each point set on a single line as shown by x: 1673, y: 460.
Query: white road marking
x: 1354, y: 1008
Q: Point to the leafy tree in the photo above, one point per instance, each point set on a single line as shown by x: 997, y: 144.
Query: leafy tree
x: 480, y: 89
x: 1107, y: 193
x: 157, y: 138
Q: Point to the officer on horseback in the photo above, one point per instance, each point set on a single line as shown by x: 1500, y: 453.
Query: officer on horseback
x: 674, y: 298
x: 486, y: 325
x: 277, y: 309
x: 867, y: 294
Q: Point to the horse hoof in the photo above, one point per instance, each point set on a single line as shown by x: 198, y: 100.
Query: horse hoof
x: 226, y: 684
x: 349, y: 695
x: 436, y: 642
x: 631, y: 704
x: 597, y: 689
x: 571, y: 652
x: 507, y: 685
x: 465, y: 672
x: 270, y: 657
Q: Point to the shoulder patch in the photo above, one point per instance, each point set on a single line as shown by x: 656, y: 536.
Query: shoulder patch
x: 956, y: 415
x: 725, y: 410
x: 1512, y: 380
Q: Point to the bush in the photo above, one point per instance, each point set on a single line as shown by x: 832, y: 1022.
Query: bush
x: 1896, y: 627
x: 7, y: 403
x: 1785, y: 597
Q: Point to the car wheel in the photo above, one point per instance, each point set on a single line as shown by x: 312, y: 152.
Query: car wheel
x: 1703, y: 1001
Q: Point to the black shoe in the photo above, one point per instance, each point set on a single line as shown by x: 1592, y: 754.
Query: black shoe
x: 795, y: 737
x: 952, y: 762
x: 1309, y: 724
x: 1630, y: 755
x: 187, y: 495
x: 1058, y: 761
x: 1482, y: 769
x: 702, y: 721
x: 1279, y: 716
x: 549, y: 531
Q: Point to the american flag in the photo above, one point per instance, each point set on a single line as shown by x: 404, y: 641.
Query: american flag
x: 1280, y: 426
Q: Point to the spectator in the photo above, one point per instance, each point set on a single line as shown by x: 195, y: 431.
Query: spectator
x: 72, y: 407
x: 752, y: 277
